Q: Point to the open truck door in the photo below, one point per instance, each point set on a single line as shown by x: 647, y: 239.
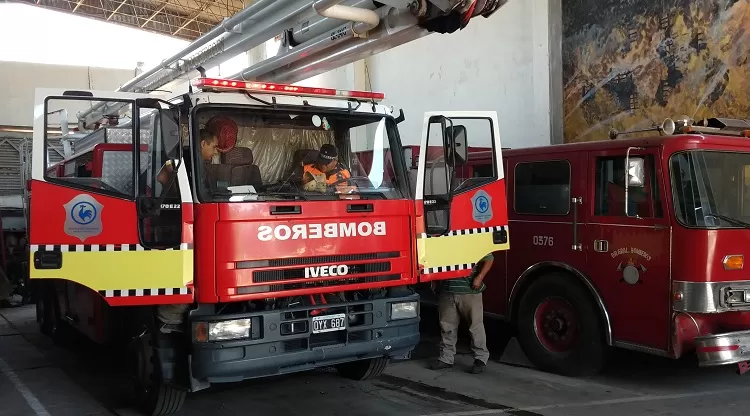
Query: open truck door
x: 462, y: 212
x: 99, y: 217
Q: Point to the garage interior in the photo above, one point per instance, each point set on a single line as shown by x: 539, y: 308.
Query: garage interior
x: 556, y: 72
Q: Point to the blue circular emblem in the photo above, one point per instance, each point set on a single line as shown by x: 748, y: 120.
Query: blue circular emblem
x: 83, y: 213
x: 482, y: 204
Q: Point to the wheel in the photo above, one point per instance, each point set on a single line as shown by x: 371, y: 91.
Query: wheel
x: 154, y: 396
x: 559, y: 327
x: 363, y: 369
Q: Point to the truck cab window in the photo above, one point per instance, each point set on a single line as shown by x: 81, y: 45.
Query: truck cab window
x: 542, y: 188
x: 643, y: 202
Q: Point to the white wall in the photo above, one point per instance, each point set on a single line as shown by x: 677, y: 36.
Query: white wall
x: 17, y: 106
x: 500, y: 63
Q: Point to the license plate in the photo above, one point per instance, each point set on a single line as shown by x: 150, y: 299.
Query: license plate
x: 328, y: 323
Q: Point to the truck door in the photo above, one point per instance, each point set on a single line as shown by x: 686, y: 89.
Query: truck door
x: 460, y: 217
x: 99, y: 220
x: 629, y: 245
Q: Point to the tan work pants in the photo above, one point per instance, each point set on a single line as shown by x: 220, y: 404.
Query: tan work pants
x: 452, y: 308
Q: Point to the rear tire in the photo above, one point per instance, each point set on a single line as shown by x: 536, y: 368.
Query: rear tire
x: 364, y: 369
x: 559, y: 327
x: 154, y: 397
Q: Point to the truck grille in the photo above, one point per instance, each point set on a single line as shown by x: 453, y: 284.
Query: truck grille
x: 306, y: 261
x: 267, y: 276
x: 317, y: 283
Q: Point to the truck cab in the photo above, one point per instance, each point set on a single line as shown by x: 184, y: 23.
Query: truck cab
x: 244, y: 230
x: 634, y: 243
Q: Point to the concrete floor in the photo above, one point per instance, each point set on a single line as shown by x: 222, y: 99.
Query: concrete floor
x: 38, y: 378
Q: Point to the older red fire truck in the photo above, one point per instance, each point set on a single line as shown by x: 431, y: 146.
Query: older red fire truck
x: 230, y: 268
x: 663, y: 274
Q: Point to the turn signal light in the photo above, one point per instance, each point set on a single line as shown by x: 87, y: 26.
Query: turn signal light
x: 734, y: 262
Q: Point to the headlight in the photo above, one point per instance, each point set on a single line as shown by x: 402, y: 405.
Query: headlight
x: 404, y: 310
x: 222, y: 330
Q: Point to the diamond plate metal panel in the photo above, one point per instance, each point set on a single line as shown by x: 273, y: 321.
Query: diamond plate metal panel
x: 117, y: 170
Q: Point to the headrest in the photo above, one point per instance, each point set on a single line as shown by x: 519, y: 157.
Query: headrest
x: 238, y: 156
x: 305, y: 156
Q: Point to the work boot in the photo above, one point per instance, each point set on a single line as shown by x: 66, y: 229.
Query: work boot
x: 478, y: 367
x: 440, y: 365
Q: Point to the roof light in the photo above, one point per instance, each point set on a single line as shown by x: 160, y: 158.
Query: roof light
x: 209, y: 84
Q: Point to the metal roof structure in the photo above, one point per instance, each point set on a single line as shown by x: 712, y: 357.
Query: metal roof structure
x: 184, y: 19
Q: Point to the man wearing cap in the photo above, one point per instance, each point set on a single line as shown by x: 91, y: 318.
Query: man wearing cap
x: 326, y: 172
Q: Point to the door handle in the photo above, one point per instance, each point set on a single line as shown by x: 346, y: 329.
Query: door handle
x: 601, y: 246
x: 286, y: 209
x: 47, y: 260
x: 499, y: 237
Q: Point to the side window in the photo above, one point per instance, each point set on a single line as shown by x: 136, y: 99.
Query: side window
x: 542, y: 188
x: 443, y: 180
x: 643, y: 201
x: 95, y: 154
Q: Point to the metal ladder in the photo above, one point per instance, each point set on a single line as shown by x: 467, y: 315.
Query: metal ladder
x: 316, y: 37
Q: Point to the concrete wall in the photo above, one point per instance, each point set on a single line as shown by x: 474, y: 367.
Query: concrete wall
x: 17, y: 107
x: 501, y: 63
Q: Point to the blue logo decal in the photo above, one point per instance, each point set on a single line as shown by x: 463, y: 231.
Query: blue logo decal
x: 83, y: 217
x: 83, y: 213
x: 481, y: 207
x: 482, y: 204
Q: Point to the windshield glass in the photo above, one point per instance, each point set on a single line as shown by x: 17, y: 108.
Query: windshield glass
x: 711, y: 188
x: 256, y: 156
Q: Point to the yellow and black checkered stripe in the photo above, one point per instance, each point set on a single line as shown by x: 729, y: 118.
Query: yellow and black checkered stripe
x: 119, y: 270
x: 100, y: 247
x: 467, y: 231
x: 459, y: 250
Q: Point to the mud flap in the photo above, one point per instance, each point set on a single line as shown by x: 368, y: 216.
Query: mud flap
x: 743, y: 367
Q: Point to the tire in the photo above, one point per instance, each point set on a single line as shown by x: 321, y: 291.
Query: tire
x: 559, y: 327
x: 155, y: 398
x: 363, y: 369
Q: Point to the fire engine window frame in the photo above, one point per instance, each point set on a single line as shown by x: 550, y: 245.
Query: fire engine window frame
x: 651, y: 174
x: 569, y: 185
x: 674, y: 197
x: 394, y: 141
x: 473, y: 181
x: 73, y: 185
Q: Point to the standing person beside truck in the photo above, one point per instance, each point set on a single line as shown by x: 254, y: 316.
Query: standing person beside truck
x: 462, y: 297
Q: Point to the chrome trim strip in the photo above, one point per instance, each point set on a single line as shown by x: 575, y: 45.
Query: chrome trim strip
x: 597, y: 297
x: 640, y: 348
x: 705, y: 297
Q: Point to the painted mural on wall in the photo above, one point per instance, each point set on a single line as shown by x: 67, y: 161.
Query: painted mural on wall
x: 631, y: 63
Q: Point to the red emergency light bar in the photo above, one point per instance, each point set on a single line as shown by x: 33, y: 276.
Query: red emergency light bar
x: 208, y: 84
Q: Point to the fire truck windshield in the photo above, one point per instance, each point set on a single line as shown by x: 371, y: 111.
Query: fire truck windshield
x: 273, y: 155
x: 711, y: 188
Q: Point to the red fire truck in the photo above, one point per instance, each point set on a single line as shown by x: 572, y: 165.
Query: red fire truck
x: 663, y: 274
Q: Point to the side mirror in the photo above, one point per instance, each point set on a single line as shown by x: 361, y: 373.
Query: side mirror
x: 170, y: 131
x: 459, y: 149
x: 636, y: 175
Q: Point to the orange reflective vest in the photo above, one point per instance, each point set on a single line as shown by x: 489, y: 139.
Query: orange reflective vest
x: 331, y: 177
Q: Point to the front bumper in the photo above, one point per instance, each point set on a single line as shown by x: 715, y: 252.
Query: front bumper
x: 276, y: 351
x: 723, y: 349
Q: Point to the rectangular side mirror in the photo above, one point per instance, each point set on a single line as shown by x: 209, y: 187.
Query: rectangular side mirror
x: 636, y: 174
x: 458, y: 148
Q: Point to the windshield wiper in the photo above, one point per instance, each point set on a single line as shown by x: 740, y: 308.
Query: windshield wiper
x: 733, y: 221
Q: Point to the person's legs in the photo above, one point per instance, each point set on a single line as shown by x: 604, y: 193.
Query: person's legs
x: 472, y: 310
x: 449, y: 320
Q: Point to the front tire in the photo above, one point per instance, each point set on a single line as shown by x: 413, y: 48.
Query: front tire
x: 559, y: 327
x: 363, y: 369
x: 154, y: 397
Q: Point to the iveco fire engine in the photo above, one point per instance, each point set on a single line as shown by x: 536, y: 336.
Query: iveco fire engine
x: 662, y: 274
x: 232, y: 268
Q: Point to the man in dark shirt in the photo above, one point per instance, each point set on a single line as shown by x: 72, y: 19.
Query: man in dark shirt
x: 462, y: 297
